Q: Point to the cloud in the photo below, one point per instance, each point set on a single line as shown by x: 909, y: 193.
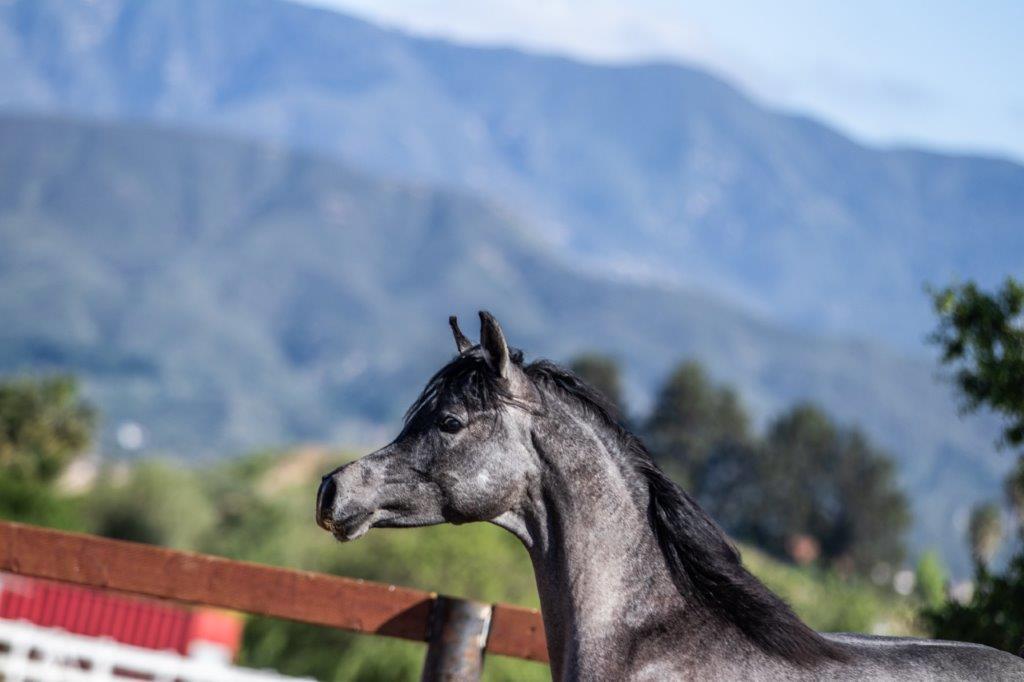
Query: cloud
x: 892, y: 92
x: 599, y: 30
x: 818, y: 63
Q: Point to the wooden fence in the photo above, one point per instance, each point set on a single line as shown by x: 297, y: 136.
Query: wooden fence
x: 457, y: 631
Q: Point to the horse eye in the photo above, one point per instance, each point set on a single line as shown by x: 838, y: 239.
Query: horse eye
x: 449, y: 424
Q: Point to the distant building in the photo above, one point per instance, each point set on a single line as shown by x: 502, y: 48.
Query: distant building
x: 53, y: 631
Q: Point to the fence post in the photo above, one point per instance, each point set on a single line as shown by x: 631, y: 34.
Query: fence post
x: 457, y: 637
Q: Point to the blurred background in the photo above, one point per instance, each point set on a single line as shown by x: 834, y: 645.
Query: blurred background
x: 782, y: 240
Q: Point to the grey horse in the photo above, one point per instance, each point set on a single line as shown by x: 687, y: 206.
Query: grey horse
x: 636, y: 582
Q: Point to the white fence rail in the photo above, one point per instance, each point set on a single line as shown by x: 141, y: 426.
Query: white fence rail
x: 29, y: 653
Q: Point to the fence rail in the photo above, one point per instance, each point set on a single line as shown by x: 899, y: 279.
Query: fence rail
x: 356, y: 605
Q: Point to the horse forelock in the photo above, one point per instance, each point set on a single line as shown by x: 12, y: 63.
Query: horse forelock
x: 466, y: 379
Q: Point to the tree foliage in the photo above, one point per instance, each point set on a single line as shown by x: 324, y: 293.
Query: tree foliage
x: 43, y: 424
x: 931, y: 579
x: 806, y: 478
x: 993, y: 616
x: 982, y: 337
x: 28, y: 501
x: 810, y: 478
x: 985, y: 532
x: 603, y: 373
x: 831, y: 483
x: 1014, y: 490
x: 691, y: 418
x: 158, y: 503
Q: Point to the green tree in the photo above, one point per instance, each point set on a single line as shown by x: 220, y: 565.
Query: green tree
x: 992, y: 616
x: 931, y: 579
x: 832, y: 484
x: 985, y: 532
x: 157, y: 503
x: 691, y: 418
x: 603, y: 373
x: 1014, y: 489
x: 43, y: 424
x: 811, y: 478
x: 36, y: 503
x: 981, y: 336
x: 730, y: 487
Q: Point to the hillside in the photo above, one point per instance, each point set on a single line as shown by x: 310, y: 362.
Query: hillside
x: 229, y: 295
x: 656, y: 170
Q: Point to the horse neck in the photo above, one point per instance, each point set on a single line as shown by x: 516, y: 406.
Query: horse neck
x: 600, y: 572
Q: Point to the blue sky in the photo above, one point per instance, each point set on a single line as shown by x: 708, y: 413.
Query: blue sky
x: 940, y: 74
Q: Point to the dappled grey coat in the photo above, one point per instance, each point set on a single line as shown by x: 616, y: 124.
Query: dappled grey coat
x: 636, y: 582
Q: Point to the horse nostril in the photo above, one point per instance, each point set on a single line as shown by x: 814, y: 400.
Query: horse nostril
x: 325, y: 501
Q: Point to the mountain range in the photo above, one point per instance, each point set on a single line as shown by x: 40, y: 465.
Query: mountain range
x: 653, y: 171
x: 228, y: 294
x: 244, y: 223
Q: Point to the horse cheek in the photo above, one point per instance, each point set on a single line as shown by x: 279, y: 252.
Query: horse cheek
x: 482, y: 492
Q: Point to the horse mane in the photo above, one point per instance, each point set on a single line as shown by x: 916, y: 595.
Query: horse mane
x: 705, y: 566
x: 468, y: 379
x: 703, y: 563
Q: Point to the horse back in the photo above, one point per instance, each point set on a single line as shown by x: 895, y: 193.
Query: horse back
x: 883, y: 658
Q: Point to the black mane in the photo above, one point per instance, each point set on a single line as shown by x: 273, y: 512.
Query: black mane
x: 703, y: 563
x: 466, y: 379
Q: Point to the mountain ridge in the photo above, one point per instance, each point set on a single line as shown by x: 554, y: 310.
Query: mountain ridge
x: 230, y: 295
x: 652, y: 168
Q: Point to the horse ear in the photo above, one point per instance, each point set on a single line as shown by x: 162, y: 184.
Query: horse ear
x: 461, y: 342
x: 495, y: 348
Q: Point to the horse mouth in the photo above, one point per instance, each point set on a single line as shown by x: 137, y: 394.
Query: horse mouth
x: 351, y: 527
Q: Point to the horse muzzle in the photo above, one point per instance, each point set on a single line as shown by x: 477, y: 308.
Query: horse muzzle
x: 338, y: 507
